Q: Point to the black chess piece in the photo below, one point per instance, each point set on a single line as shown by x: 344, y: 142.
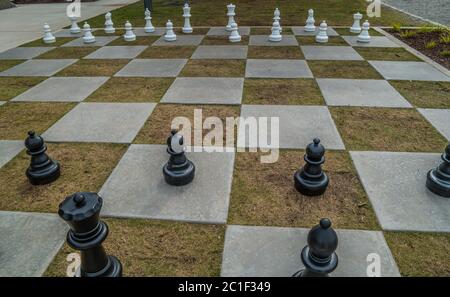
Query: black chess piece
x: 438, y: 179
x: 319, y: 256
x: 87, y: 232
x: 42, y: 169
x: 311, y: 180
x: 178, y: 171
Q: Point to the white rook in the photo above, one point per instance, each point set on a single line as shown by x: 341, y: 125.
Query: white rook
x: 356, y: 27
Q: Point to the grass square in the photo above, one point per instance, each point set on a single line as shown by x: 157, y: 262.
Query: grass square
x: 274, y: 52
x: 92, y: 67
x: 10, y: 87
x: 386, y: 54
x: 72, y: 52
x: 167, y: 52
x: 196, y: 31
x: 386, y: 129
x: 140, y: 40
x: 131, y: 89
x: 214, y: 68
x: 346, y: 32
x: 268, y: 31
x: 158, y: 126
x: 39, y: 42
x: 223, y: 40
x: 311, y: 40
x: 6, y: 64
x: 17, y: 118
x: 282, y: 91
x: 84, y: 167
x: 158, y: 248
x: 343, y: 69
x: 424, y: 94
x: 264, y: 194
x: 101, y: 32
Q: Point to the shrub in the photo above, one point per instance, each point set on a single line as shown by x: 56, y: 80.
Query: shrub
x: 430, y: 45
x: 408, y: 34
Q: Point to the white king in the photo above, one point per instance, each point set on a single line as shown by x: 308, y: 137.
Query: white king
x: 109, y: 25
x: 356, y: 27
x: 148, y: 22
x: 187, y: 22
x: 230, y: 14
x: 48, y: 36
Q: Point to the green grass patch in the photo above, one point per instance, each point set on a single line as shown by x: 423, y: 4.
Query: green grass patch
x: 93, y: 67
x: 11, y: 87
x: 274, y: 52
x: 311, y: 40
x: 223, y: 40
x: 408, y: 34
x: 39, y: 42
x: 386, y: 54
x: 101, y: 32
x: 72, y: 52
x: 343, y: 69
x: 6, y: 64
x: 424, y: 94
x: 196, y: 31
x: 431, y: 44
x: 167, y: 52
x: 140, y: 40
x: 214, y: 68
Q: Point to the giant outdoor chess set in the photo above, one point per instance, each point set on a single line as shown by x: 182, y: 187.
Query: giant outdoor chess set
x: 136, y: 187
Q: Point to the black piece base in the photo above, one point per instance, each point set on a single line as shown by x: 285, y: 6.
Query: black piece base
x: 179, y: 177
x: 46, y: 176
x: 437, y: 185
x: 314, y: 187
x: 113, y: 269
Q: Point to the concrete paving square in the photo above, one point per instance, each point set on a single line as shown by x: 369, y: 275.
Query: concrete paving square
x: 205, y: 90
x: 101, y: 122
x: 277, y: 68
x: 30, y: 242
x: 439, y: 118
x: 220, y: 31
x: 19, y: 53
x: 181, y: 40
x: 153, y: 68
x: 66, y: 33
x: 116, y: 52
x: 9, y: 149
x: 141, y: 32
x: 220, y: 52
x: 300, y: 31
x: 99, y: 41
x: 408, y: 71
x: 256, y: 251
x: 36, y: 67
x: 63, y: 89
x: 2, y: 102
x: 263, y: 40
x: 360, y: 92
x: 376, y: 41
x: 292, y: 133
x: 395, y: 184
x: 343, y: 53
x: 137, y: 189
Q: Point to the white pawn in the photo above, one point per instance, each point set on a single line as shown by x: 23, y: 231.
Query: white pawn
x: 48, y: 36
x: 310, y: 22
x: 74, y: 29
x: 109, y: 25
x: 364, y: 36
x: 275, y: 36
x: 88, y: 37
x: 129, y: 34
x: 234, y: 36
x: 148, y: 22
x: 356, y: 27
x: 230, y: 14
x: 276, y: 17
x: 170, y: 35
x: 187, y: 22
x: 322, y: 36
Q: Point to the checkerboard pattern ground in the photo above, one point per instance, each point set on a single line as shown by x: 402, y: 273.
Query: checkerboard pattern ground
x: 105, y: 111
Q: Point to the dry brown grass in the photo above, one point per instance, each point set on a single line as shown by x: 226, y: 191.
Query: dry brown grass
x: 107, y: 67
x: 158, y: 126
x: 39, y: 42
x: 214, y: 68
x: 223, y: 40
x: 72, y: 52
x: 140, y: 40
x: 6, y: 64
x: 343, y: 69
x: 157, y: 248
x: 118, y: 32
x: 10, y: 87
x: 311, y: 40
x: 386, y: 129
x: 424, y: 94
x: 167, y: 52
x: 282, y: 91
x: 268, y: 31
x: 274, y: 52
x: 386, y: 54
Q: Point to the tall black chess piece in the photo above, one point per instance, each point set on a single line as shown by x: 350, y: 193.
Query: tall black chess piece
x: 311, y: 180
x: 87, y: 232
x: 319, y: 257
x: 42, y: 169
x: 438, y: 179
x: 178, y: 171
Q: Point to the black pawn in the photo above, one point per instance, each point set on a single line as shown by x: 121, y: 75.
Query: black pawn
x: 178, y: 171
x: 87, y: 232
x: 438, y: 179
x: 311, y: 180
x: 319, y: 257
x: 42, y: 169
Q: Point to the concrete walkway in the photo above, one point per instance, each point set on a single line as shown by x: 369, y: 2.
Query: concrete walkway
x: 434, y: 10
x: 24, y: 22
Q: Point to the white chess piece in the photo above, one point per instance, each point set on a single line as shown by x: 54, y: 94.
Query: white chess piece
x: 276, y: 17
x: 310, y: 22
x: 148, y: 22
x: 275, y: 36
x: 129, y: 34
x: 109, y: 25
x: 230, y: 14
x: 364, y: 36
x: 234, y: 36
x: 322, y: 36
x: 87, y: 37
x: 74, y: 29
x: 187, y: 22
x: 356, y: 27
x: 170, y: 35
x: 48, y: 36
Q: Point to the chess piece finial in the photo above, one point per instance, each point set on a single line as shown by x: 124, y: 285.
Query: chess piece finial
x: 178, y: 171
x: 438, y: 179
x: 48, y: 36
x: 149, y: 28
